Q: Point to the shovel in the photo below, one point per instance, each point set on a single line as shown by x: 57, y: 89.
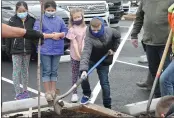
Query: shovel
x: 159, y: 71
x: 58, y: 103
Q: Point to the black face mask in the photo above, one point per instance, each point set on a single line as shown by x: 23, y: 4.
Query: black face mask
x: 78, y: 22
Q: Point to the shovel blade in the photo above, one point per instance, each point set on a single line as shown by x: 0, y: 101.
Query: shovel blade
x: 58, y: 106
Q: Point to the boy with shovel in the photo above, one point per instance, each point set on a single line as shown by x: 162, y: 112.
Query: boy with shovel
x: 99, y: 40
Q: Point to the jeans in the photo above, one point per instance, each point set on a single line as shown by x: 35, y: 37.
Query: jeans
x: 50, y: 65
x: 167, y: 80
x: 154, y: 55
x: 104, y: 82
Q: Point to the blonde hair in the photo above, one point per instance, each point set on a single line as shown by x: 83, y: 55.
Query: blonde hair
x: 73, y: 11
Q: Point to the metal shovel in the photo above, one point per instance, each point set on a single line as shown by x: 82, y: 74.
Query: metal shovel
x: 58, y: 103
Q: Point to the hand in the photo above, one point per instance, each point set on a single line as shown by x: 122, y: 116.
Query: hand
x: 111, y: 52
x: 58, y: 35
x: 134, y: 42
x: 84, y: 75
x: 33, y: 34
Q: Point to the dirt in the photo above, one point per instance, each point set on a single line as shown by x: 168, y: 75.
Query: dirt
x: 66, y: 114
x: 151, y: 115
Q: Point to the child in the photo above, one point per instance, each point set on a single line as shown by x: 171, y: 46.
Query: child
x: 98, y: 41
x: 167, y: 77
x: 51, y: 50
x: 76, y: 35
x: 21, y: 49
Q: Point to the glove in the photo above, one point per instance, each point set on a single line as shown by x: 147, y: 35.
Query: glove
x: 33, y: 34
x: 84, y: 75
x: 111, y: 52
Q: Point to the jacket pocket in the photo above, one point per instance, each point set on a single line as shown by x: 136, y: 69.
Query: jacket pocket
x: 108, y: 60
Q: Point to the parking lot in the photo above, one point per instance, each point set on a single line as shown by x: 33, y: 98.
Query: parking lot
x: 125, y: 72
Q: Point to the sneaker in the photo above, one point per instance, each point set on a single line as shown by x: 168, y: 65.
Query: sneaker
x: 19, y: 96
x: 26, y: 94
x: 85, y: 100
x: 74, y: 98
x: 48, y: 97
x: 143, y: 59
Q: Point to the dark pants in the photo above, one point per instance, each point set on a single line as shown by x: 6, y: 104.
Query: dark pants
x: 154, y: 55
x: 104, y: 82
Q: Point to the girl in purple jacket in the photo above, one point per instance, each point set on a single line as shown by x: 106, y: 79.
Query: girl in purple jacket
x: 51, y: 50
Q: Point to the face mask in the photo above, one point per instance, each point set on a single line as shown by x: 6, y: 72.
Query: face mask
x: 50, y: 14
x: 22, y: 15
x: 78, y: 21
x: 99, y: 33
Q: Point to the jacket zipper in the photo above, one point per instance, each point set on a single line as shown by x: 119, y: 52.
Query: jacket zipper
x: 24, y: 38
x: 14, y: 43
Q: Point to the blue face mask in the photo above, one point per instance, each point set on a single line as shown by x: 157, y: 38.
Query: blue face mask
x: 100, y: 33
x: 22, y: 15
x: 50, y: 14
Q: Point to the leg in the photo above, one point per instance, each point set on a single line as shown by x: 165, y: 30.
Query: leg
x: 24, y: 71
x: 17, y: 60
x: 54, y: 71
x: 46, y: 71
x: 85, y: 84
x: 153, y: 61
x: 167, y: 81
x: 75, y: 72
x: 104, y: 82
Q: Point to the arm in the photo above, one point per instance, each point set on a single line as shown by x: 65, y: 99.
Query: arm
x: 84, y: 63
x: 138, y: 22
x: 11, y: 32
x: 72, y: 37
x: 63, y: 29
x: 76, y: 48
x: 116, y: 39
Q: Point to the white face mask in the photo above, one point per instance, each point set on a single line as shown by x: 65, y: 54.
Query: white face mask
x: 50, y: 14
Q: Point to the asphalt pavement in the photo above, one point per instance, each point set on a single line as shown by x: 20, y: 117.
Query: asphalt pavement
x: 123, y: 76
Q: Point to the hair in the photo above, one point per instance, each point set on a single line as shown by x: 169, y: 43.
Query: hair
x: 50, y: 4
x: 73, y: 11
x: 95, y: 23
x: 21, y: 3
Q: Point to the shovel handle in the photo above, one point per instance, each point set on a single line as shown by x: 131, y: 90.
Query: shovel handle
x: 80, y: 80
x: 159, y: 70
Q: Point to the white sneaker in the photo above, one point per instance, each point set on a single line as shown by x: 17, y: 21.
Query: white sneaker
x: 143, y: 59
x: 48, y: 97
x: 74, y: 98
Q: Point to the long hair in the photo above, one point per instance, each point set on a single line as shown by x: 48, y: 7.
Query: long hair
x: 73, y: 11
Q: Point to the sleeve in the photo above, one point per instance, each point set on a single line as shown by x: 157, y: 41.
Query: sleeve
x: 36, y: 25
x: 116, y: 39
x: 63, y: 27
x: 84, y: 62
x: 138, y: 23
x: 70, y: 35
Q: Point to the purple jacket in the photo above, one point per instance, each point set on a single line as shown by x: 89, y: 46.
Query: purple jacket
x: 50, y: 25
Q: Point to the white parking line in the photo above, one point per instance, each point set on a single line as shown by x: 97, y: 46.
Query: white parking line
x: 132, y: 64
x: 28, y: 88
x: 97, y: 88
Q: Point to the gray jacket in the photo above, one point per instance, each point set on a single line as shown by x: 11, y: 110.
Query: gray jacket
x: 95, y: 48
x: 153, y: 16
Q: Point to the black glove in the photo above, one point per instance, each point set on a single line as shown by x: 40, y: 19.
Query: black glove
x: 33, y: 34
